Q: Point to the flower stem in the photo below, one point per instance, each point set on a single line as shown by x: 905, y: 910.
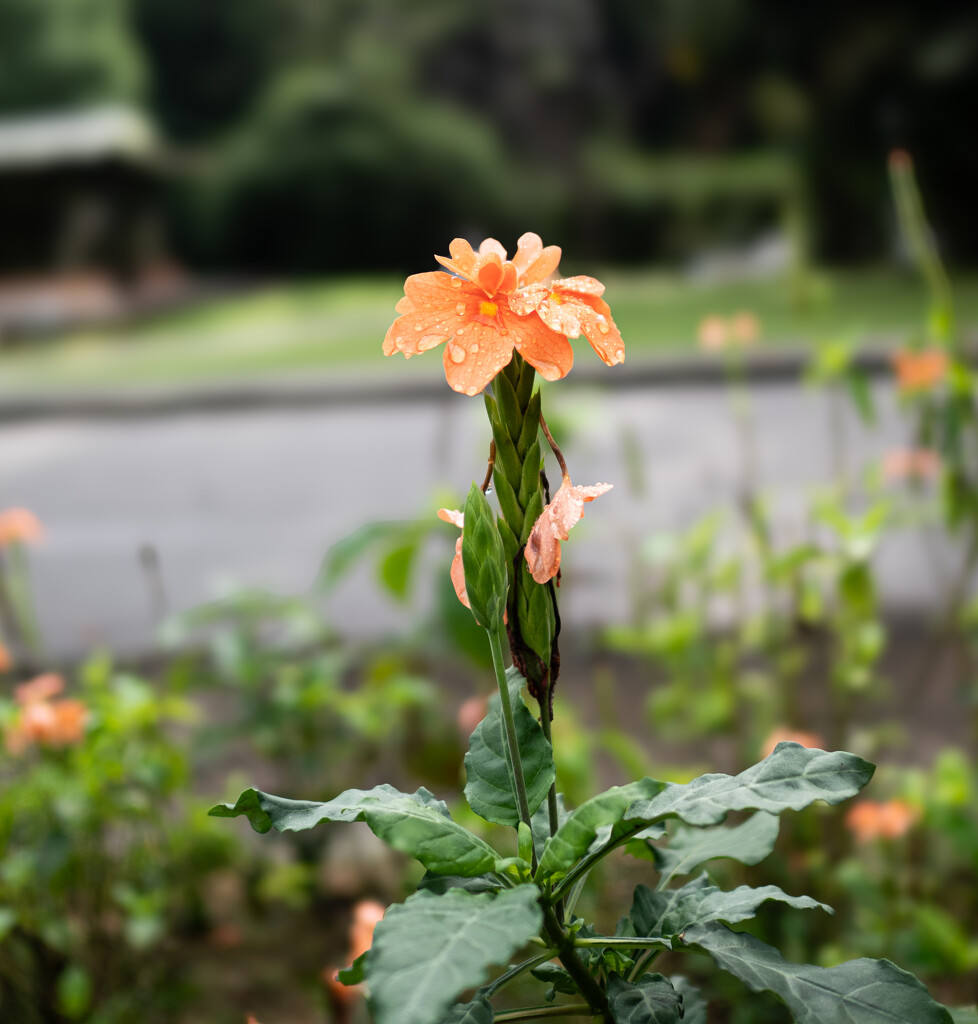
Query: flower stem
x: 519, y: 782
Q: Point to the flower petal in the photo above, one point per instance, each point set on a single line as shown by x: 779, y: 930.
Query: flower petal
x: 547, y: 351
x: 434, y: 306
x: 490, y: 245
x: 462, y: 260
x: 476, y: 352
x: 597, y: 325
x: 542, y: 551
x: 532, y: 261
x: 580, y: 285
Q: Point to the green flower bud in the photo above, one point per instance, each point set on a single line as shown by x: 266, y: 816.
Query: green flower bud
x: 483, y: 561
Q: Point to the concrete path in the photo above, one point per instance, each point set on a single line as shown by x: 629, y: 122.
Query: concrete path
x: 255, y: 495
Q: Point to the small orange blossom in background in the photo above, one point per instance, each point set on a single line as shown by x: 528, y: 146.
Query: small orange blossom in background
x: 43, y: 721
x: 921, y: 370
x: 910, y: 464
x: 490, y: 306
x: 19, y: 526
x: 874, y: 819
x: 366, y: 916
x: 718, y: 334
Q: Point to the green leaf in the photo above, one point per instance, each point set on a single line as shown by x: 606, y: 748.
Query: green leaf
x: 669, y: 912
x: 489, y: 777
x: 430, y: 948
x: 790, y: 778
x: 479, y: 1011
x: 414, y: 823
x: 750, y: 842
x: 578, y: 832
x: 395, y: 568
x: 442, y: 883
x: 556, y: 976
x: 651, y: 1000
x: 964, y: 1014
x: 857, y: 992
x: 694, y: 1005
x: 353, y: 975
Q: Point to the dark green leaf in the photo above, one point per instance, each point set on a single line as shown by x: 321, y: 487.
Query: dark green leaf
x: 430, y: 948
x: 489, y: 778
x: 479, y: 1011
x: 694, y: 1005
x: 651, y: 1000
x: 353, y: 974
x: 790, y: 778
x: 442, y: 883
x: 668, y: 912
x: 579, y: 831
x: 857, y: 992
x: 750, y: 842
x: 414, y: 823
x: 557, y: 976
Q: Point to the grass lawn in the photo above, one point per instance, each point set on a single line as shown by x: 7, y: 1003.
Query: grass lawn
x: 338, y: 324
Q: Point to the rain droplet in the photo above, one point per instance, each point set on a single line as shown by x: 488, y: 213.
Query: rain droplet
x: 460, y: 330
x: 417, y: 327
x: 474, y: 347
x: 489, y: 489
x: 471, y: 390
x: 456, y: 353
x: 460, y: 308
x: 603, y: 328
x: 503, y: 331
x: 456, y: 282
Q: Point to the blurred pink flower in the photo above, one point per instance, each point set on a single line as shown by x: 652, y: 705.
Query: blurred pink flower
x: 911, y: 464
x: 451, y: 515
x: 920, y: 370
x: 366, y: 915
x: 470, y: 714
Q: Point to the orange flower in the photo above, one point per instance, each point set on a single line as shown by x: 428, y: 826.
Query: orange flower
x: 573, y: 306
x: 542, y: 549
x: 806, y: 739
x: 911, y: 464
x: 19, y: 526
x: 872, y: 819
x: 366, y: 915
x: 713, y: 334
x: 483, y: 314
x: 920, y: 370
x: 457, y: 573
x: 57, y: 723
x: 43, y: 687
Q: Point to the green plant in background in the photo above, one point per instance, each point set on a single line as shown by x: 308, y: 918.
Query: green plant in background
x: 103, y: 857
x: 482, y: 902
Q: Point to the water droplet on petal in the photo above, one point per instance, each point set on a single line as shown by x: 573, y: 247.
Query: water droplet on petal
x: 460, y: 308
x: 460, y: 330
x: 474, y: 347
x: 471, y: 390
x: 456, y: 353
x: 603, y: 328
x: 417, y: 327
x: 456, y: 282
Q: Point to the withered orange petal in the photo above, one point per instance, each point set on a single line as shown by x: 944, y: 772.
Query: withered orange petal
x: 453, y: 516
x: 542, y: 551
x: 567, y: 508
x: 547, y: 351
x: 476, y: 352
x: 457, y: 575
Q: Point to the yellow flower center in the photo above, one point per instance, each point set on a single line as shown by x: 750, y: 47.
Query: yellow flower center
x: 554, y: 297
x: 488, y: 308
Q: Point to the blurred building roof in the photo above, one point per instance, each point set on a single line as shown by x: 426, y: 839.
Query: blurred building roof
x: 76, y: 137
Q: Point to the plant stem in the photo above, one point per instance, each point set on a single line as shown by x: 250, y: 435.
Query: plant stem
x: 542, y: 1012
x: 527, y: 965
x: 621, y: 942
x: 642, y: 964
x: 495, y: 645
x: 567, y: 954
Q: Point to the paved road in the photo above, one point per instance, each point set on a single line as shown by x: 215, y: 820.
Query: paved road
x: 255, y: 497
